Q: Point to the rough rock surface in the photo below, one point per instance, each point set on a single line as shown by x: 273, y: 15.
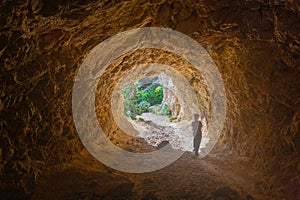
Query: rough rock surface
x: 73, y: 183
x: 158, y: 129
x: 169, y: 97
x: 255, y: 44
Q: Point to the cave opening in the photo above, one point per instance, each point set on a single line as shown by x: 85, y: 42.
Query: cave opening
x: 152, y: 107
x: 255, y: 45
x: 145, y: 96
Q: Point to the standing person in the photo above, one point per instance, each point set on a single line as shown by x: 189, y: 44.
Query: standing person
x: 197, y: 131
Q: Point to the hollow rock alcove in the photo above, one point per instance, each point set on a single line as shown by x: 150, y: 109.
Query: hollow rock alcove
x: 255, y: 45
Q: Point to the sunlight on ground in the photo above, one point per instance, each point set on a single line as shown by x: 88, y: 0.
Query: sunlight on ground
x: 153, y: 110
x: 156, y: 129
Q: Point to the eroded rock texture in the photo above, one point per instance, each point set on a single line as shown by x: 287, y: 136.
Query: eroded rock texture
x: 256, y: 46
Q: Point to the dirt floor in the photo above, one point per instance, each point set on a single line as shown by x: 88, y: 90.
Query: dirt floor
x: 213, y: 177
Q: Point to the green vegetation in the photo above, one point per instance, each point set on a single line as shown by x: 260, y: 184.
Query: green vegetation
x: 160, y: 110
x: 141, y: 119
x: 144, y: 95
x: 173, y: 118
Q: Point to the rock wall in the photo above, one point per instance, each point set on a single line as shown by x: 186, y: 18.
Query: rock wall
x: 169, y: 97
x: 255, y: 44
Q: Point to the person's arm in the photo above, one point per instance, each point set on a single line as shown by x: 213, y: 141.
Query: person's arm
x: 200, y: 126
x: 194, y: 126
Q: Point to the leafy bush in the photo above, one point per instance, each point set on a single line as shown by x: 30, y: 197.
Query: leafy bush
x: 141, y: 119
x: 160, y: 110
x: 145, y: 105
x: 153, y: 94
x: 173, y: 118
x: 133, y: 118
x: 139, y: 97
x: 131, y: 107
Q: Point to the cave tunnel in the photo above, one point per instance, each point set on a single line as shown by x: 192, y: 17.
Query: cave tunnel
x: 255, y: 45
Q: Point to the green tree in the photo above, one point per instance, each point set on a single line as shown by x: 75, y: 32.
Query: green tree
x: 138, y: 98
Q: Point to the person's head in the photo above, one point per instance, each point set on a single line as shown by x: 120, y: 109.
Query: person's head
x: 196, y: 116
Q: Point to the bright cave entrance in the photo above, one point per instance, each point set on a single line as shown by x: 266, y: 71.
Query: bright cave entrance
x: 145, y: 96
x: 154, y: 107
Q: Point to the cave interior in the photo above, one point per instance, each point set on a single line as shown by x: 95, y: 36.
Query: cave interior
x: 255, y: 45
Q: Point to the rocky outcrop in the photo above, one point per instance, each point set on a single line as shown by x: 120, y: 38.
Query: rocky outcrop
x: 169, y: 98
